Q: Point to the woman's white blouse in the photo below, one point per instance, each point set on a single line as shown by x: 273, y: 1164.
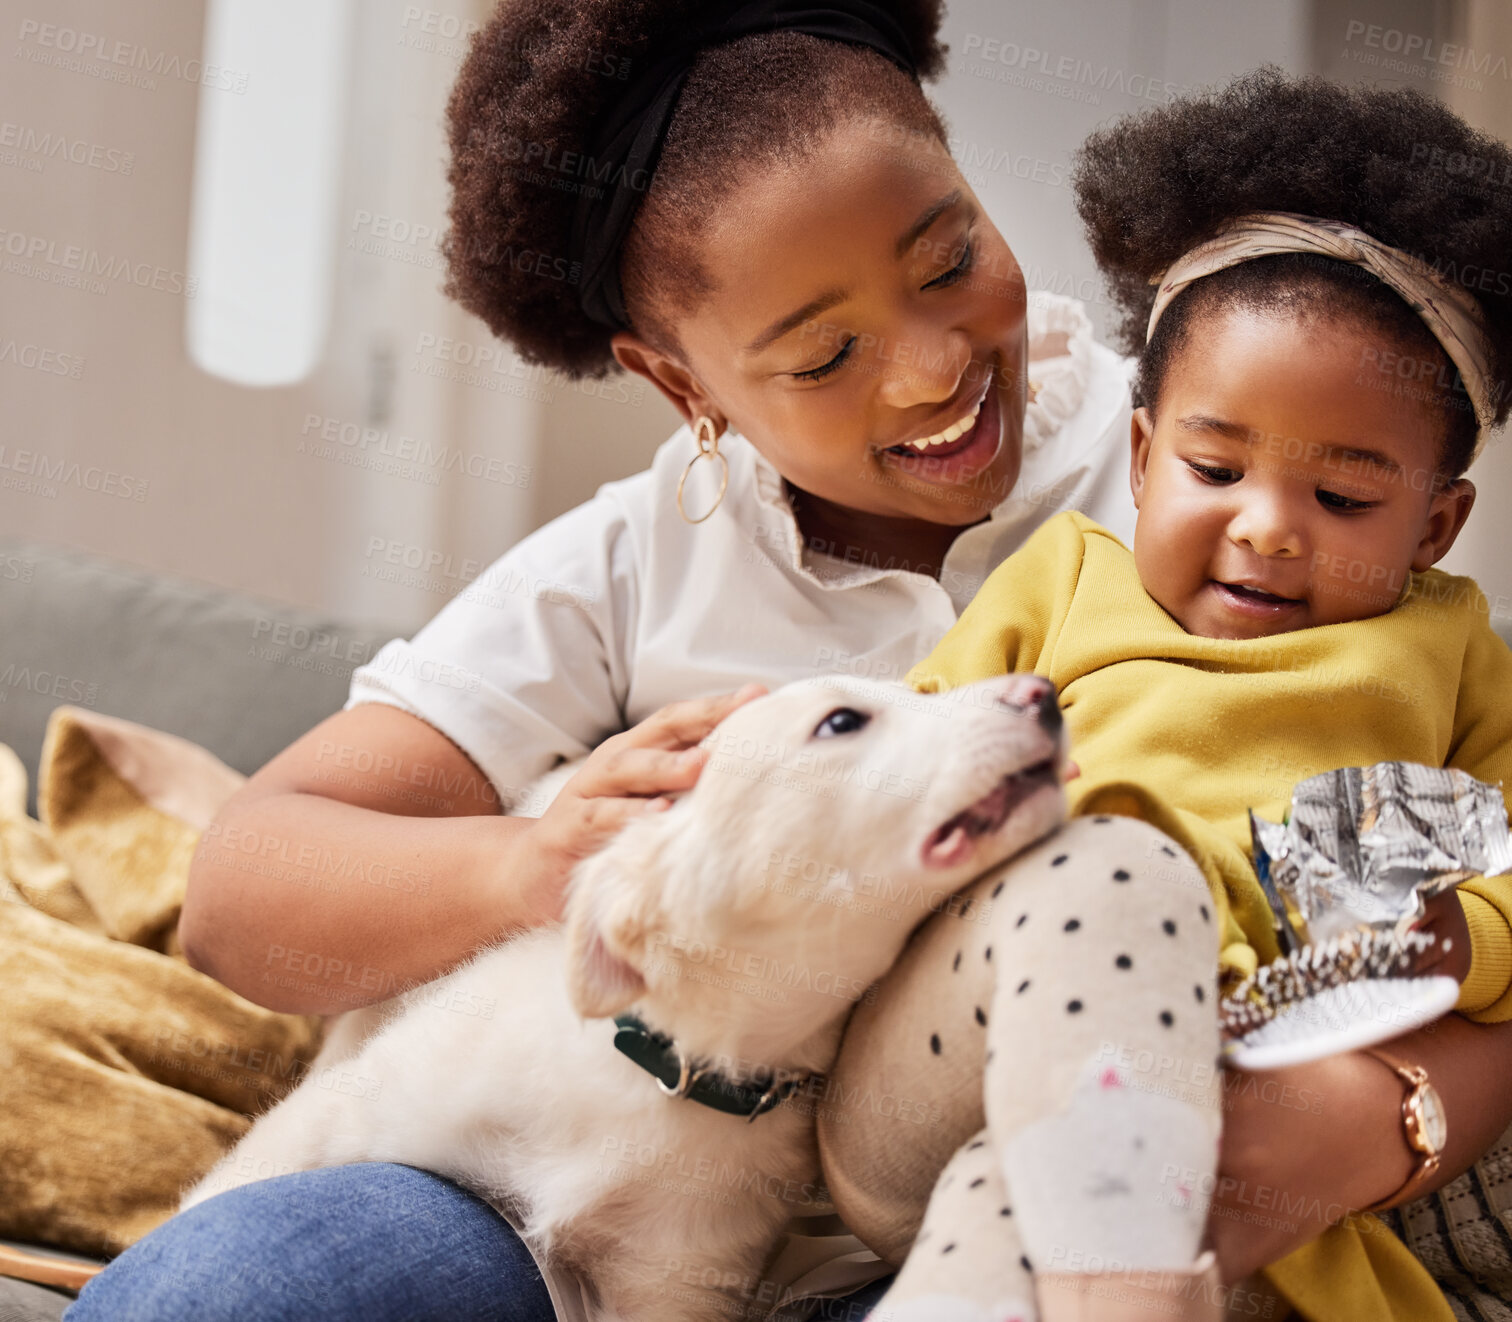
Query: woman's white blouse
x: 617, y: 607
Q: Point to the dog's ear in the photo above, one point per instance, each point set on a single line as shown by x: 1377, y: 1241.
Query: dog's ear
x: 609, y: 914
x: 601, y: 982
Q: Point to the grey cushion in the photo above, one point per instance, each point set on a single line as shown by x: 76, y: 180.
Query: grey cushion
x: 239, y: 676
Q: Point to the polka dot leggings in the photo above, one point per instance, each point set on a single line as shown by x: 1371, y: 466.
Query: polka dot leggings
x: 1053, y: 1046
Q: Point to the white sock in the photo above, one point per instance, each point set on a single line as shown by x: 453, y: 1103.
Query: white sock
x: 1120, y: 1179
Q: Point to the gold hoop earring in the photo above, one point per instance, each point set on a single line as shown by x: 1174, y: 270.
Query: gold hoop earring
x: 708, y: 448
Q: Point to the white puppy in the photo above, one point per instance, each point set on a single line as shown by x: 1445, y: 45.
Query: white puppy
x: 739, y: 926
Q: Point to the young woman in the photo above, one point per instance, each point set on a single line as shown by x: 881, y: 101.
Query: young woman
x: 762, y: 219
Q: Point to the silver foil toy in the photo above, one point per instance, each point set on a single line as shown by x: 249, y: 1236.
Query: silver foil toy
x: 1347, y: 875
x: 1368, y: 846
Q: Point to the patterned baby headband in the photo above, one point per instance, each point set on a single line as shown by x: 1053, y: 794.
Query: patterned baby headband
x: 1451, y: 313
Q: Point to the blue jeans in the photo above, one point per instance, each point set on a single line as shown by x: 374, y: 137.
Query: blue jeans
x: 374, y: 1242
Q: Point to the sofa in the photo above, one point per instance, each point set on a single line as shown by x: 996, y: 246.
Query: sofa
x: 240, y: 676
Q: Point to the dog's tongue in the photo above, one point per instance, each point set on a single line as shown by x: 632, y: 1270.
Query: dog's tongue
x: 950, y: 849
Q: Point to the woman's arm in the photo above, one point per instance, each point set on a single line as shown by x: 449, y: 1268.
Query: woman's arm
x: 322, y: 886
x: 1304, y: 1147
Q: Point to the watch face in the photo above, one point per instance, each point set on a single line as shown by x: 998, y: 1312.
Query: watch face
x: 1433, y: 1128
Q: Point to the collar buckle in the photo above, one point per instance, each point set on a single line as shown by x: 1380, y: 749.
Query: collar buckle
x: 687, y: 1075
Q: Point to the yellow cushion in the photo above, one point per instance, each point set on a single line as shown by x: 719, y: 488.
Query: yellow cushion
x: 123, y: 1072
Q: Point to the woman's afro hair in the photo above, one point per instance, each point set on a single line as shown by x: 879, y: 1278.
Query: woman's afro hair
x: 1392, y: 162
x: 535, y: 82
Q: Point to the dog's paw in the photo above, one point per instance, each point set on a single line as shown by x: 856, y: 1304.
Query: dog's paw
x: 950, y: 1308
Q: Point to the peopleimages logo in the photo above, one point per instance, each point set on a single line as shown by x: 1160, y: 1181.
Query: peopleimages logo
x: 39, y: 468
x: 1415, y: 46
x: 66, y: 263
x: 1066, y: 76
x: 27, y: 142
x: 367, y: 447
x: 39, y: 358
x: 90, y: 53
x: 48, y: 684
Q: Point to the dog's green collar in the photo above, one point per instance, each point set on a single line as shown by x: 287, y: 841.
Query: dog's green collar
x: 677, y: 1076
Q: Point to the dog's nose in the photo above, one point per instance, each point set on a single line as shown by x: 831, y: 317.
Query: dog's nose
x: 1034, y: 695
x: 1048, y: 712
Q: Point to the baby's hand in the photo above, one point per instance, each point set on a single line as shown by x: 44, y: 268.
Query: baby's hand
x: 626, y: 775
x: 1445, y: 919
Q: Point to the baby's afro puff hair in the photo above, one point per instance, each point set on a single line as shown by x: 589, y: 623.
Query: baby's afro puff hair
x: 1396, y: 164
x: 537, y: 79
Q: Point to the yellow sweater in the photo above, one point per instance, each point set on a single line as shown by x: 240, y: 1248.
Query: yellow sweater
x: 1193, y: 732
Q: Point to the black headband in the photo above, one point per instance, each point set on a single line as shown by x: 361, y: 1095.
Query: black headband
x: 629, y: 139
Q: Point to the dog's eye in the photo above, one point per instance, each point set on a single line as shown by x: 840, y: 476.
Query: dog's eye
x: 843, y: 720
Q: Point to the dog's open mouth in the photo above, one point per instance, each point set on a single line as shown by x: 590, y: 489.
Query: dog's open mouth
x: 951, y: 843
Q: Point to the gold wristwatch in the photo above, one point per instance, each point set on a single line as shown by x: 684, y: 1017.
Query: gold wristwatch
x: 1424, y: 1125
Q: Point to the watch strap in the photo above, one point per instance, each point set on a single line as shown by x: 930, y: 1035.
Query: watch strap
x: 1415, y: 1077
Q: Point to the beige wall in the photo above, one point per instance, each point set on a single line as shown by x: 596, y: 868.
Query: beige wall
x: 1485, y: 548
x: 233, y: 486
x: 231, y: 490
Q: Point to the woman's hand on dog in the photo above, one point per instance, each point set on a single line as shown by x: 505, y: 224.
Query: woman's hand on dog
x: 626, y: 775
